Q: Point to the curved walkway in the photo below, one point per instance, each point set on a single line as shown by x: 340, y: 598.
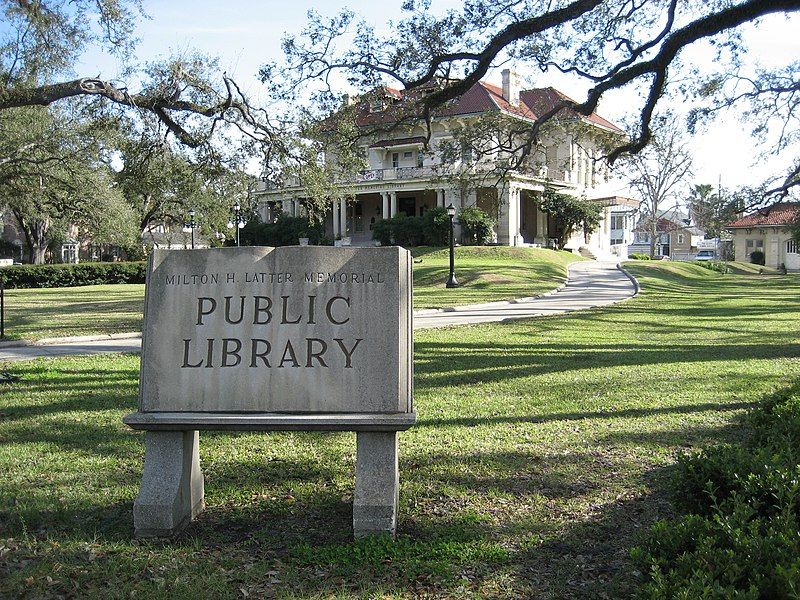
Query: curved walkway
x: 590, y: 284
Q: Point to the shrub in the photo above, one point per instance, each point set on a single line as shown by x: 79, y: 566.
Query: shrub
x: 400, y: 230
x: 407, y: 231
x: 436, y: 227
x: 382, y: 232
x: 55, y: 276
x: 740, y: 538
x: 285, y: 231
x: 638, y: 256
x: 713, y: 265
x: 757, y: 257
x: 476, y: 226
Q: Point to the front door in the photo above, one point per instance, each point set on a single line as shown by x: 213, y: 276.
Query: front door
x: 407, y: 206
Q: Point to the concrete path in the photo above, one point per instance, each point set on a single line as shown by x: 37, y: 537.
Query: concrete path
x: 590, y: 284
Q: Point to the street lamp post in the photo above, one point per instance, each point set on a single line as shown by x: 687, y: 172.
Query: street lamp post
x: 451, y: 281
x: 237, y: 221
x: 190, y: 226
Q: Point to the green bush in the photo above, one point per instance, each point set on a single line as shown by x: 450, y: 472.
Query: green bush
x: 638, y: 256
x: 476, y: 226
x: 757, y: 257
x: 436, y: 227
x: 382, y: 232
x: 55, y: 276
x: 285, y: 231
x: 407, y: 231
x: 713, y: 265
x: 400, y: 230
x: 741, y: 536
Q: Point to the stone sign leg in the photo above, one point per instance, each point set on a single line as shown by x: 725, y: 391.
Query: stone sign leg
x: 377, y: 483
x: 172, y: 484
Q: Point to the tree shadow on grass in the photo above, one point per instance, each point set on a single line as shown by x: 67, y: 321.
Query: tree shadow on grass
x: 545, y: 523
x: 463, y: 363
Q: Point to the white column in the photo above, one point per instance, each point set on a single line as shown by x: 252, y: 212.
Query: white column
x: 393, y: 200
x: 508, y: 223
x: 343, y: 219
x: 335, y: 217
x: 385, y: 197
x: 440, y: 198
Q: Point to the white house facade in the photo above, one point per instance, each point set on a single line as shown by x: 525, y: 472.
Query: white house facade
x: 404, y: 175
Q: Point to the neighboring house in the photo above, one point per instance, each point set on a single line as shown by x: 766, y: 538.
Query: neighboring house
x: 768, y: 230
x: 676, y: 237
x: 405, y: 177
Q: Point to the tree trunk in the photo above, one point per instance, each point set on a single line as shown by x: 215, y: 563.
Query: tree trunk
x: 653, y: 233
x: 35, y: 231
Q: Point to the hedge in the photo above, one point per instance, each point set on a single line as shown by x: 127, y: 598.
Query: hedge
x: 740, y: 535
x: 55, y: 276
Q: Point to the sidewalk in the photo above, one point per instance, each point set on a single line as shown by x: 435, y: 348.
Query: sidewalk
x: 590, y: 284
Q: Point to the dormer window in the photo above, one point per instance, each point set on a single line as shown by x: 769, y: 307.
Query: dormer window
x: 376, y: 105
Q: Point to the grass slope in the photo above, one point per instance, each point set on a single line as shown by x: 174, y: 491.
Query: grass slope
x: 485, y: 274
x: 544, y: 449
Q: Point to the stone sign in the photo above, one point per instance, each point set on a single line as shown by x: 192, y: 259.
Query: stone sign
x: 273, y: 339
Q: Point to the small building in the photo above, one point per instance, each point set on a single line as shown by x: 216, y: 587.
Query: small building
x: 768, y: 230
x: 676, y: 236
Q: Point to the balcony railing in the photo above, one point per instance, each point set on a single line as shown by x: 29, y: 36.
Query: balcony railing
x: 402, y: 173
x: 395, y: 173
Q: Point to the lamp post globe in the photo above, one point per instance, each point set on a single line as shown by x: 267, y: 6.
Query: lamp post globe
x: 191, y: 224
x: 451, y: 280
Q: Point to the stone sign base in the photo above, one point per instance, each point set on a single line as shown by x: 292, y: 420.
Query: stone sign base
x: 172, y: 484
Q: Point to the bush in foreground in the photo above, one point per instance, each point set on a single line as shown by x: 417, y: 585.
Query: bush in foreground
x: 55, y: 276
x: 638, y: 256
x: 741, y: 536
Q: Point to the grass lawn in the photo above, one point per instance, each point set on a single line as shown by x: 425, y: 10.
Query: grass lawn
x: 544, y: 450
x: 485, y: 274
x: 34, y: 314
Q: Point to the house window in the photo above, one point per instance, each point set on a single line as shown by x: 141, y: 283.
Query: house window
x: 408, y: 154
x: 641, y: 237
x: 791, y: 247
x: 617, y: 221
x: 680, y: 238
x: 754, y: 245
x: 466, y: 153
x: 395, y: 159
x: 616, y: 241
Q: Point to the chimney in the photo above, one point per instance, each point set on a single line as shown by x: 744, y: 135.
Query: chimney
x: 511, y: 87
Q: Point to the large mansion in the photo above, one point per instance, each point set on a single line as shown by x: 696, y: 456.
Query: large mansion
x: 404, y: 175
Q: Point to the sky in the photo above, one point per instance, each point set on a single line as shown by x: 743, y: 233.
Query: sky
x: 246, y: 34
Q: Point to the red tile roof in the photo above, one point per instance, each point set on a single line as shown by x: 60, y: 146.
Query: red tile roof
x: 783, y: 213
x: 485, y: 97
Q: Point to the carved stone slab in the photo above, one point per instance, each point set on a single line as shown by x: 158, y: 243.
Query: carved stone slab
x: 278, y: 330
